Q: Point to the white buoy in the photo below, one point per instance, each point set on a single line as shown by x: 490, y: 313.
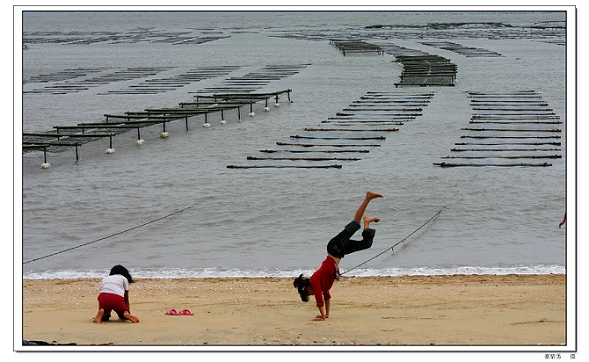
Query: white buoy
x: 276, y: 104
x: 139, y: 142
x: 223, y: 121
x: 266, y: 109
x: 110, y: 150
x: 206, y: 125
x: 45, y: 165
x: 164, y: 135
x: 252, y: 114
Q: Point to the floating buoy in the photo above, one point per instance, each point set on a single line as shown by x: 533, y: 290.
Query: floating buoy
x: 223, y: 121
x: 266, y: 109
x: 164, y: 135
x: 276, y: 104
x: 206, y: 125
x: 110, y: 150
x: 252, y: 114
x: 139, y: 142
x: 45, y: 165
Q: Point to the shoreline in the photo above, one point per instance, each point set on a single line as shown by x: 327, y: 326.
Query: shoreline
x: 496, y: 311
x: 222, y: 273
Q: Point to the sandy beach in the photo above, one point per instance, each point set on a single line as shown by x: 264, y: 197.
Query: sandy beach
x: 459, y: 310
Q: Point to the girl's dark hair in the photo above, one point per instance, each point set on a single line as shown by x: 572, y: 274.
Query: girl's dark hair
x: 121, y: 270
x: 302, y: 284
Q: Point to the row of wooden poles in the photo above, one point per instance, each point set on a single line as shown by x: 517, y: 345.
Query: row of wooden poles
x: 418, y: 70
x: 347, y: 136
x: 508, y: 126
x: 356, y: 47
x: 426, y: 70
x: 75, y: 136
x: 461, y: 49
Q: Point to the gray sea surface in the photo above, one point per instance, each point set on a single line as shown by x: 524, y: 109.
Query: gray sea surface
x: 172, y: 208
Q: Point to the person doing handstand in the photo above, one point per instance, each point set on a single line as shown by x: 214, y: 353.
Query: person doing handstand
x: 322, y: 280
x: 114, y: 295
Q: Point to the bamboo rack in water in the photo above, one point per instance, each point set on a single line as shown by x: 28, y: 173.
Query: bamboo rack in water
x: 508, y: 143
x: 354, y: 123
x: 58, y: 135
x: 235, y: 96
x: 383, y: 114
x: 45, y: 145
x: 515, y: 122
x: 511, y: 129
x: 514, y: 110
x: 356, y: 47
x: 344, y: 132
x: 506, y: 157
x: 325, y: 145
x: 514, y: 117
x: 356, y: 108
x: 366, y: 119
x: 136, y: 120
x: 503, y: 149
x: 353, y: 130
x: 340, y: 138
x: 447, y: 164
x: 314, y: 151
x: 426, y: 70
x: 284, y: 166
x: 510, y: 137
x: 304, y: 158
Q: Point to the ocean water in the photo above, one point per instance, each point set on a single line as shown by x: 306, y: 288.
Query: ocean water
x: 172, y: 208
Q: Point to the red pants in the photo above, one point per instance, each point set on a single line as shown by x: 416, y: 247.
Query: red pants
x: 110, y: 302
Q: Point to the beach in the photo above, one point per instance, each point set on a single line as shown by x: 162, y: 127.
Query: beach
x: 377, y: 312
x: 223, y: 212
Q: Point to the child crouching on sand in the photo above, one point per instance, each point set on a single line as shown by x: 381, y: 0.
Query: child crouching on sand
x: 114, y: 295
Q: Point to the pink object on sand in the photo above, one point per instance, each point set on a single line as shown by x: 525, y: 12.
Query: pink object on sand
x: 182, y: 312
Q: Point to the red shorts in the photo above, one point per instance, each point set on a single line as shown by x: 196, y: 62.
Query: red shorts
x: 110, y: 302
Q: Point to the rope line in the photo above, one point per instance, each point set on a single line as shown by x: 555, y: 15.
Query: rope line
x: 106, y: 237
x: 397, y: 243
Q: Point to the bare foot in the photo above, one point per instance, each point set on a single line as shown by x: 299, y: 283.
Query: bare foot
x: 371, y: 219
x: 99, y: 315
x: 131, y: 317
x: 368, y: 220
x: 372, y: 195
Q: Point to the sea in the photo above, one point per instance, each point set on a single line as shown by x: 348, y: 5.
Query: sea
x: 231, y: 196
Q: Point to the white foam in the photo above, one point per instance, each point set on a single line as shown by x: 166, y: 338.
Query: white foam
x: 166, y: 273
